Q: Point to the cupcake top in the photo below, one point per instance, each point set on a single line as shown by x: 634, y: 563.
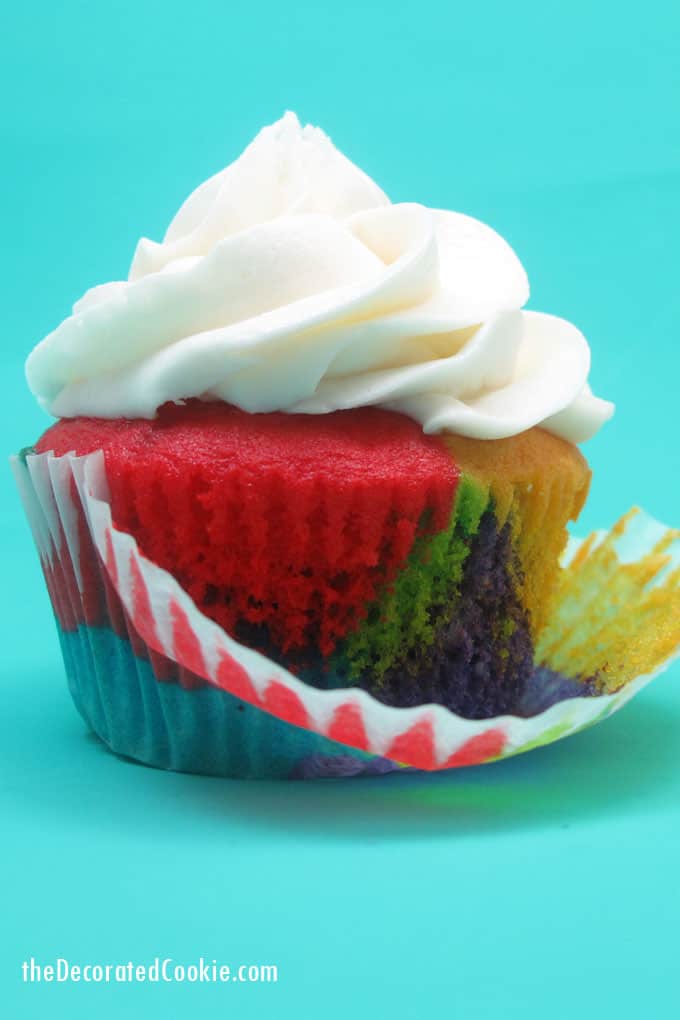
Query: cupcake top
x: 290, y: 282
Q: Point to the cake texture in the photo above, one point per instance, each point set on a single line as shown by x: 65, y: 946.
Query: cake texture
x: 351, y: 547
x: 160, y: 682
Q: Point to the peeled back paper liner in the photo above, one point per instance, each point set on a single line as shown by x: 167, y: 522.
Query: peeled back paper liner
x: 159, y: 682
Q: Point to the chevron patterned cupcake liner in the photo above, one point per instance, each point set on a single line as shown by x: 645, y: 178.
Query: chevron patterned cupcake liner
x: 161, y: 683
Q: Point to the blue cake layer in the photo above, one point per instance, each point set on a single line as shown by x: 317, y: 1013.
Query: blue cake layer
x: 203, y: 730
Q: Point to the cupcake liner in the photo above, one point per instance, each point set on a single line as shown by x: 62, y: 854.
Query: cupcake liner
x: 160, y: 682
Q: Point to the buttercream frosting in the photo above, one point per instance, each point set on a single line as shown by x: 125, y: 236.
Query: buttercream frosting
x: 290, y: 282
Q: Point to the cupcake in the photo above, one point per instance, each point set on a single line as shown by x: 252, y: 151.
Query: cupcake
x: 327, y: 420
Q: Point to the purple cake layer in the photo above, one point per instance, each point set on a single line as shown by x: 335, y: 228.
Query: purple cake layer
x: 482, y: 656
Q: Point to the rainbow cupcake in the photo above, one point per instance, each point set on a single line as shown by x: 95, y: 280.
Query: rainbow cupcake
x: 315, y: 437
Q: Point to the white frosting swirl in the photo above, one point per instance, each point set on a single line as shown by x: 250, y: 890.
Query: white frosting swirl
x: 289, y: 282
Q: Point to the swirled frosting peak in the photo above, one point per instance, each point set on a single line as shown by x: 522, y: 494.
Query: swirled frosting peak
x: 290, y: 282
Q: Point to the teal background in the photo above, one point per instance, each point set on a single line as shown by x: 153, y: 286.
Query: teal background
x: 545, y: 886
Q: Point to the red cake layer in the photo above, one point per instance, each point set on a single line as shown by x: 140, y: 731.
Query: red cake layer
x: 292, y: 521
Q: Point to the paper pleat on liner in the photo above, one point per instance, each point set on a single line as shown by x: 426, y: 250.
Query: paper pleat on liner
x: 614, y: 588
